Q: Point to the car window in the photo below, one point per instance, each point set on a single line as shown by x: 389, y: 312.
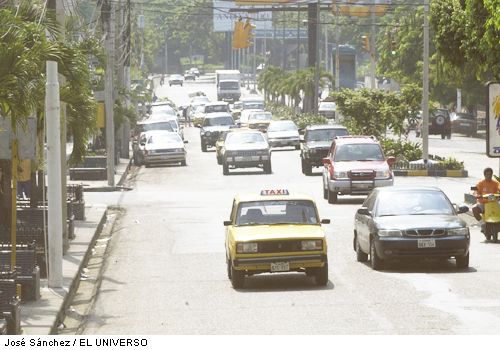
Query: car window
x: 277, y: 212
x: 174, y: 124
x: 164, y: 138
x: 325, y: 134
x: 260, y: 116
x: 244, y: 137
x: 158, y: 126
x: 358, y: 152
x: 217, y: 121
x: 413, y: 203
x: 216, y: 108
x: 282, y: 126
x: 253, y: 105
x: 370, y: 201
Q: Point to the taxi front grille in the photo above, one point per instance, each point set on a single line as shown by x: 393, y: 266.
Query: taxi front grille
x: 247, y: 153
x: 279, y: 246
x: 425, y: 232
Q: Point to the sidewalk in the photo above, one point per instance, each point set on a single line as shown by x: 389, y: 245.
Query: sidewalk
x: 42, y: 317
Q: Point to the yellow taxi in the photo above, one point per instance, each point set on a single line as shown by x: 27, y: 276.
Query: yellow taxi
x: 275, y: 231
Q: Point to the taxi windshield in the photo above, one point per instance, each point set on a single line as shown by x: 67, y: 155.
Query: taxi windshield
x: 261, y: 116
x: 413, y: 203
x: 275, y: 212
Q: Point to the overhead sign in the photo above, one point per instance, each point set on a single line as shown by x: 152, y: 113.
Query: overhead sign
x: 224, y: 18
x: 26, y: 137
x: 493, y: 121
x: 360, y: 8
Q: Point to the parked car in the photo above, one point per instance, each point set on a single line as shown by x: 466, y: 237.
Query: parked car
x: 175, y: 79
x: 464, y: 123
x: 316, y: 144
x: 213, y: 124
x: 282, y: 133
x: 416, y: 222
x: 246, y: 149
x: 327, y: 109
x: 161, y: 147
x: 138, y: 145
x: 188, y: 75
x: 355, y: 165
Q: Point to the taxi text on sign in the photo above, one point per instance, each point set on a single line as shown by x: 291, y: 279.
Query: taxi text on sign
x: 493, y: 121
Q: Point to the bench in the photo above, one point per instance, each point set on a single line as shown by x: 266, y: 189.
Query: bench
x: 9, y: 303
x: 92, y: 168
x: 27, y: 271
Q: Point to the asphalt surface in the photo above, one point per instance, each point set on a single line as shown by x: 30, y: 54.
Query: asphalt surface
x: 165, y: 267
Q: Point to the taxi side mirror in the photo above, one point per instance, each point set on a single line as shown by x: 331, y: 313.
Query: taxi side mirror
x: 325, y: 221
x: 227, y: 223
x: 462, y: 209
x: 186, y: 141
x: 364, y: 211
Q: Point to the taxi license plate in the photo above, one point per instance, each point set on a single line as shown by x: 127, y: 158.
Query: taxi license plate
x: 280, y: 266
x: 427, y: 243
x: 244, y: 158
x: 363, y: 186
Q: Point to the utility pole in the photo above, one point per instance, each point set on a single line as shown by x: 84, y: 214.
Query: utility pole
x: 54, y: 196
x: 425, y: 88
x: 372, y: 46
x: 316, y: 70
x: 108, y: 16
x: 254, y: 62
x: 298, y: 39
x: 327, y: 66
x: 337, y: 49
x: 126, y: 79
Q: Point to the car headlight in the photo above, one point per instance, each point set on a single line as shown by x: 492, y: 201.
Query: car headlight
x: 384, y: 174
x: 390, y: 233
x: 246, y: 248
x: 340, y: 174
x: 462, y: 231
x: 311, y: 245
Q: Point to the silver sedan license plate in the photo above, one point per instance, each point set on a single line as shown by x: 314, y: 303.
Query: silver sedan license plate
x: 280, y: 266
x: 427, y: 243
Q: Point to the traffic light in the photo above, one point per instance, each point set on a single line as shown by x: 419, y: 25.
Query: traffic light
x: 366, y: 43
x: 248, y: 33
x: 238, y: 35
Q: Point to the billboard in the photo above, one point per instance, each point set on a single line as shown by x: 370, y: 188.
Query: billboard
x: 360, y: 8
x: 493, y: 121
x: 224, y: 18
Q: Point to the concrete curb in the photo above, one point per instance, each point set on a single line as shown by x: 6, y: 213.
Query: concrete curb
x: 432, y: 173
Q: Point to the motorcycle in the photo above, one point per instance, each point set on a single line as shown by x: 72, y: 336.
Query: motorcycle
x: 491, y: 216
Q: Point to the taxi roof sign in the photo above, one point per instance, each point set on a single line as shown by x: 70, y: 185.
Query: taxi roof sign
x: 275, y: 192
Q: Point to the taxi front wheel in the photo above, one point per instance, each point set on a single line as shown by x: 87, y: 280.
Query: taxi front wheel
x: 237, y: 278
x: 322, y: 275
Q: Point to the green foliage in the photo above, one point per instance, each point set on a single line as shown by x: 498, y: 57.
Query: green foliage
x: 451, y: 164
x: 401, y: 150
x: 302, y: 120
x: 371, y: 112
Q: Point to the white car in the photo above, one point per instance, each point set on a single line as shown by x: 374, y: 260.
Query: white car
x: 161, y: 147
x: 281, y: 133
x: 327, y: 109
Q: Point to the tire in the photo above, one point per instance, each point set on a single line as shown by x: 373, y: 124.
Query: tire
x: 203, y: 147
x: 225, y: 169
x: 219, y: 160
x: 268, y: 168
x: 228, y: 264
x: 183, y: 162
x: 297, y: 147
x: 494, y: 235
x: 321, y: 275
x: 443, y: 136
x: 449, y: 136
x: 306, y: 167
x: 361, y: 256
x: 462, y: 262
x: 332, y: 197
x: 237, y: 278
x: 375, y: 262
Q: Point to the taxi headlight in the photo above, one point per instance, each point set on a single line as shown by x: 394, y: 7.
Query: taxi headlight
x: 390, y: 233
x: 340, y: 174
x: 245, y: 248
x: 462, y: 231
x: 384, y: 174
x: 311, y: 245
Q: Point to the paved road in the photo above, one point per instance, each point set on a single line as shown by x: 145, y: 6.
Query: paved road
x: 165, y: 271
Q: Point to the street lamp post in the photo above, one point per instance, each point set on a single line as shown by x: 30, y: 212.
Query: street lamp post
x: 316, y: 69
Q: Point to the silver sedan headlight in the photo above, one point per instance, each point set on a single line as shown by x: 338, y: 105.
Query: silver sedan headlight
x: 390, y: 233
x: 247, y: 248
x: 462, y: 231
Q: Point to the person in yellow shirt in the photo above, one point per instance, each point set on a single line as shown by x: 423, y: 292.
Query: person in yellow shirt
x: 486, y: 186
x: 24, y: 178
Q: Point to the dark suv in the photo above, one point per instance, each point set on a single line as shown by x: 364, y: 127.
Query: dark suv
x: 439, y: 123
x: 213, y: 125
x: 316, y: 143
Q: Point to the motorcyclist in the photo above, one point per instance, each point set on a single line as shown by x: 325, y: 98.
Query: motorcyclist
x: 486, y: 186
